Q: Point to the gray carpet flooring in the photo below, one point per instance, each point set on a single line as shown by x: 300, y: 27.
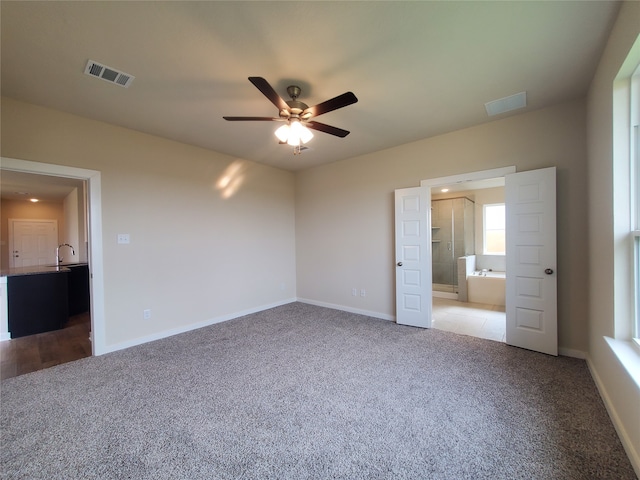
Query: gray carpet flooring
x: 303, y: 392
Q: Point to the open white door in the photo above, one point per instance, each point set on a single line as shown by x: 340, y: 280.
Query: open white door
x: 531, y: 297
x: 413, y: 256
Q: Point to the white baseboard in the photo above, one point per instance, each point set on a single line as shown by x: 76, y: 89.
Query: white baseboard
x: 382, y: 316
x: 193, y: 326
x: 568, y: 352
x: 629, y: 447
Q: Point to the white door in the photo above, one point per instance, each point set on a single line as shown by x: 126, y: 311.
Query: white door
x: 32, y: 242
x: 531, y: 302
x: 413, y: 256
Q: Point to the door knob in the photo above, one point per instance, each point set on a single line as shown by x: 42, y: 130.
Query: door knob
x: 399, y: 264
x: 548, y: 271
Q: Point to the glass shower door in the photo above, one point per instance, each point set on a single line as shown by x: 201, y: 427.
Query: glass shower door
x: 442, y: 247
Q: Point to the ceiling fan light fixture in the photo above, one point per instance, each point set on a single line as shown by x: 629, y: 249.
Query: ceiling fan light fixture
x: 283, y: 133
x: 302, y: 132
x: 294, y: 134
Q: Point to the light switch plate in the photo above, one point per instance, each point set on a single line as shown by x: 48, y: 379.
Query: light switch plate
x: 123, y: 238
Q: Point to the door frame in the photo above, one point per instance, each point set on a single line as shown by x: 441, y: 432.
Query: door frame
x: 463, y: 178
x: 94, y: 207
x: 468, y: 177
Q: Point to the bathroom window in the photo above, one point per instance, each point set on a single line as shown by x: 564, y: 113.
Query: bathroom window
x: 493, y: 220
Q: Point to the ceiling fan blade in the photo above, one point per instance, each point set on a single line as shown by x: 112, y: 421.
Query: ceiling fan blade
x: 321, y: 127
x: 268, y: 91
x: 330, y: 105
x: 254, y: 119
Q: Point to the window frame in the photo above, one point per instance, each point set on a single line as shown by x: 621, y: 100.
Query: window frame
x: 634, y: 197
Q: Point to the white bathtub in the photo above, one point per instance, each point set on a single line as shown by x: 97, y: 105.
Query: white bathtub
x: 487, y: 288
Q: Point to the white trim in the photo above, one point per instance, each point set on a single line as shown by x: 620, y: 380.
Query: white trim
x: 382, y: 316
x: 628, y: 356
x: 193, y: 326
x: 468, y: 177
x: 95, y: 235
x: 632, y: 451
x: 568, y: 352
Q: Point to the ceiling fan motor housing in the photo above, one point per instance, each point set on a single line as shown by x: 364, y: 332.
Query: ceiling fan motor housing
x: 294, y: 91
x: 295, y: 107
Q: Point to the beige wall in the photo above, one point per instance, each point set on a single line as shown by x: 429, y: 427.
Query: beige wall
x: 27, y: 210
x: 344, y: 210
x: 621, y: 393
x: 196, y: 252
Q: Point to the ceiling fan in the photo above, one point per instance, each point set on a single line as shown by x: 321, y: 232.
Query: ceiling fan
x: 297, y: 114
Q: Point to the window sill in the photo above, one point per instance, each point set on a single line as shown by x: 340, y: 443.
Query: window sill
x: 628, y: 355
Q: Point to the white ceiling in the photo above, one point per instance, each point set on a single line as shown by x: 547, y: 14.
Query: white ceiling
x: 45, y: 188
x: 418, y: 68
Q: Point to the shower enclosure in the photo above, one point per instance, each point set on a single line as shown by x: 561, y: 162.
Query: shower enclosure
x: 452, y: 231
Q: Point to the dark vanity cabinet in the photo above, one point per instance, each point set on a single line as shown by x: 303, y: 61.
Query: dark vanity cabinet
x: 37, y: 303
x: 78, y: 281
x: 41, y: 299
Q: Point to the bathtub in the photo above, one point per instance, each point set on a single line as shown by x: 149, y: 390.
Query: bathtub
x: 487, y: 288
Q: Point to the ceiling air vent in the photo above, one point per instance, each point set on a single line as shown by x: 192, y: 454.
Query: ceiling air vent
x: 506, y: 104
x: 108, y: 74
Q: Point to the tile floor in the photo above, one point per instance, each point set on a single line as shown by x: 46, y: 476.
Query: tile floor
x: 474, y: 319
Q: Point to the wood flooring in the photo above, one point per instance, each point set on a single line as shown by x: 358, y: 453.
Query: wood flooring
x: 36, y: 352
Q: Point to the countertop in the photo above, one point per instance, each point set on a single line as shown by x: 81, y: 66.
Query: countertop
x: 38, y: 269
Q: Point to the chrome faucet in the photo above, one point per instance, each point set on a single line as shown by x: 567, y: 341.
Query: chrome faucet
x: 58, y: 257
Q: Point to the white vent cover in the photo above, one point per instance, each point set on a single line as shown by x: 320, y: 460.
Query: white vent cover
x: 506, y: 104
x: 108, y: 74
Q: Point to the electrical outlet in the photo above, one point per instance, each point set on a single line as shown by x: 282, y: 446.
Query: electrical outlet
x: 354, y: 292
x: 146, y: 314
x: 123, y: 238
x: 363, y: 292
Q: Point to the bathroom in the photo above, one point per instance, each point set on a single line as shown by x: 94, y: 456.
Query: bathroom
x: 468, y: 258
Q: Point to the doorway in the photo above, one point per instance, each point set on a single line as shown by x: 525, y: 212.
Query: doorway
x: 530, y: 238
x: 463, y: 250
x: 94, y: 234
